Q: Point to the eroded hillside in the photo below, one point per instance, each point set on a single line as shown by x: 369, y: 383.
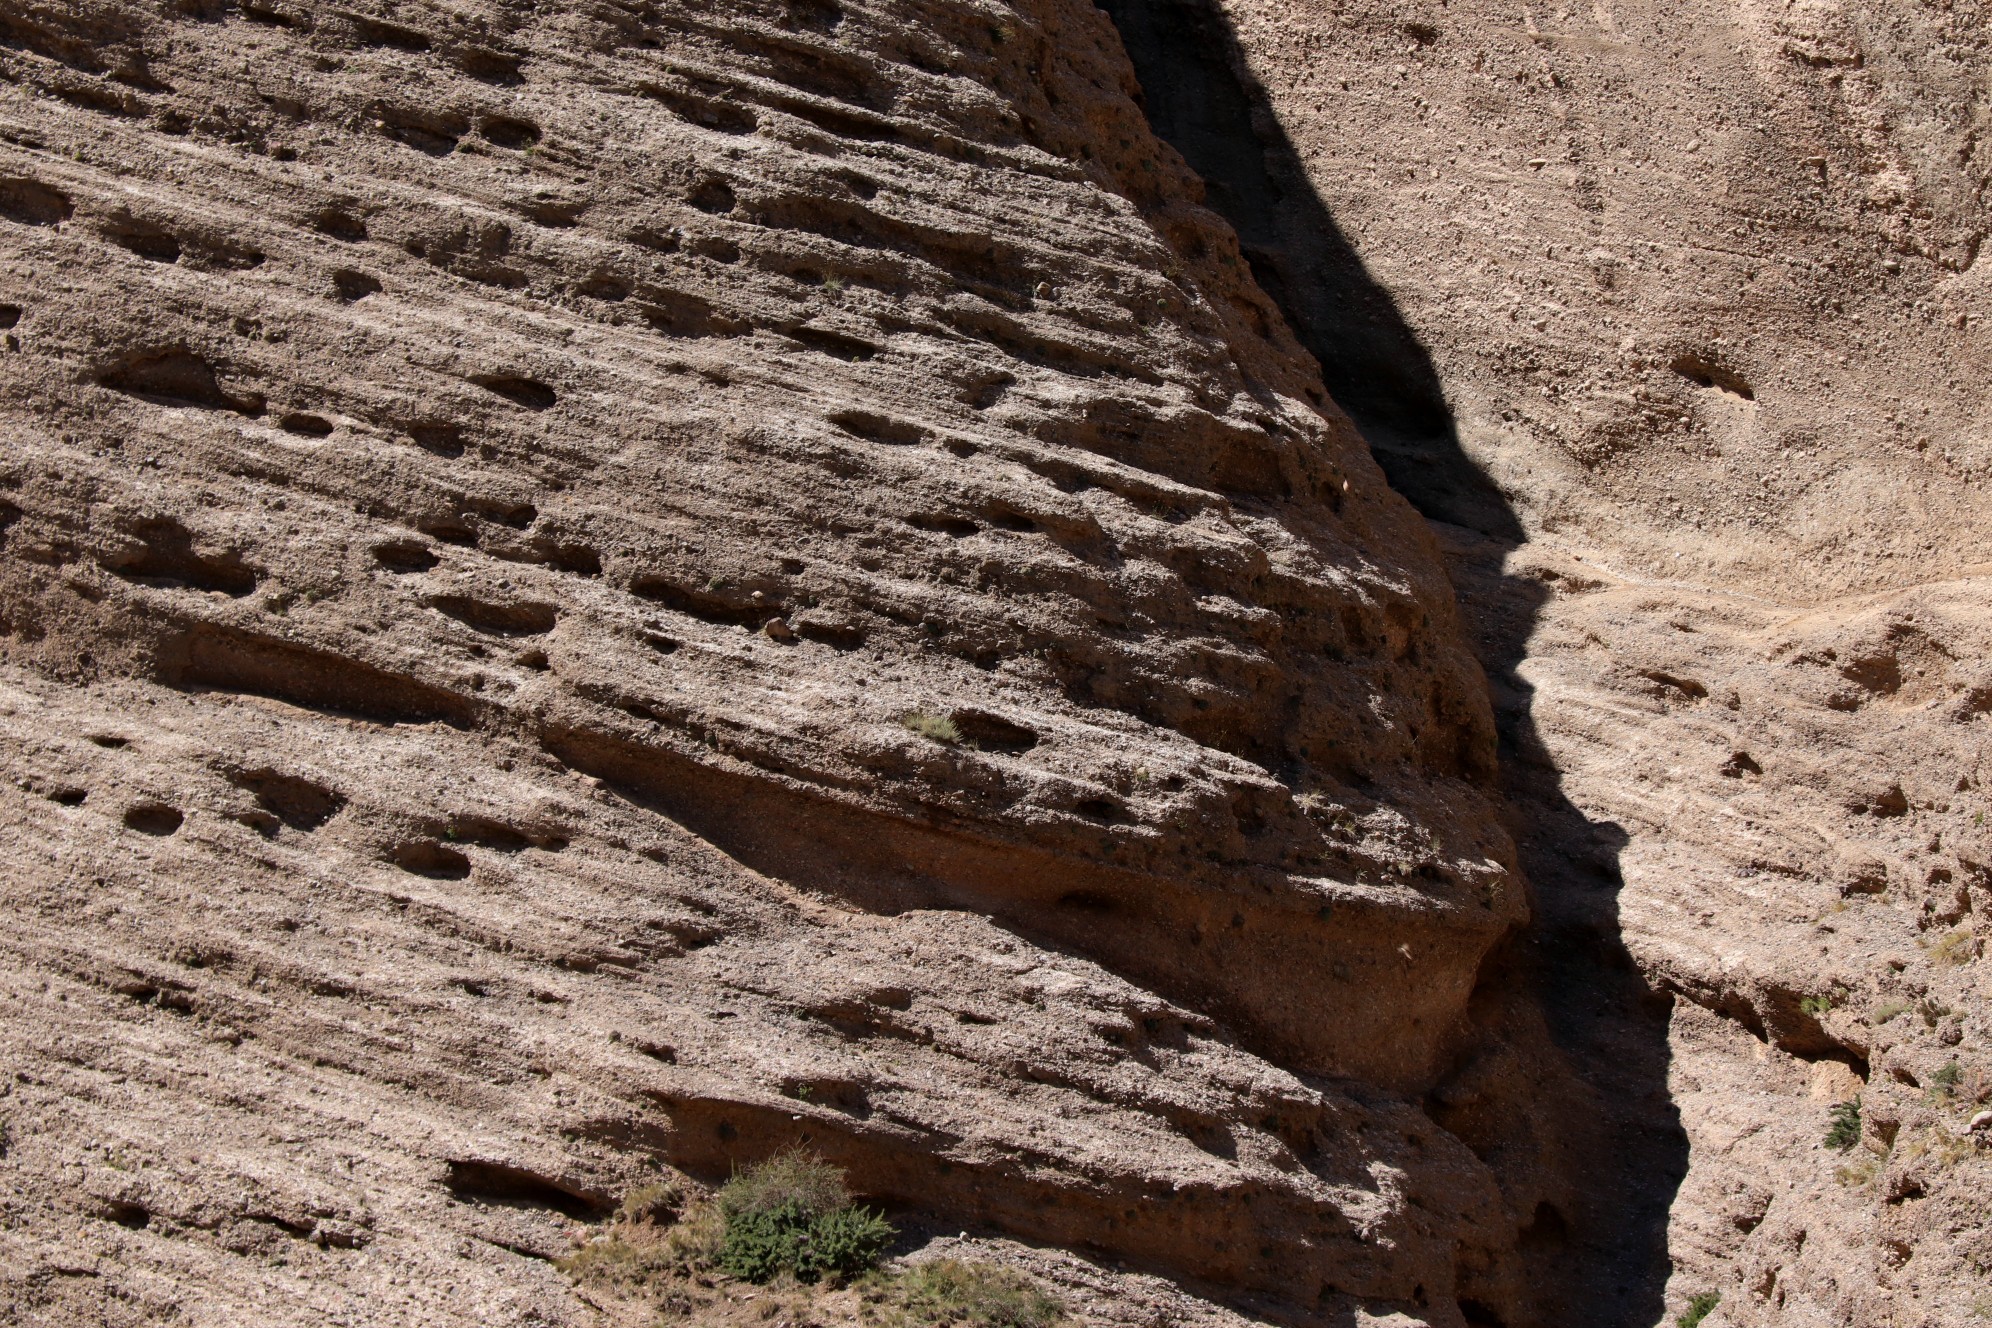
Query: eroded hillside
x: 614, y: 586
x: 1673, y: 319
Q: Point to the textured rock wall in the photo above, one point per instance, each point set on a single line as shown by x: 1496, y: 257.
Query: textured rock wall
x: 617, y: 585
x: 1673, y: 318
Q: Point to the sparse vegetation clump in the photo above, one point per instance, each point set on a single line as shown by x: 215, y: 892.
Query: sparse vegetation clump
x: 809, y: 1247
x: 1818, y: 1006
x: 1955, y: 948
x: 952, y: 1293
x: 789, y: 1217
x: 789, y: 1221
x: 1887, y: 1010
x: 933, y: 726
x: 792, y: 1214
x: 1699, y: 1308
x: 1844, y: 1128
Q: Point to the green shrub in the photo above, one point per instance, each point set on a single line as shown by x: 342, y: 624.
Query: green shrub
x: 792, y: 1214
x: 1699, y: 1308
x: 789, y: 1239
x: 971, y: 1295
x: 1845, y: 1130
x: 789, y: 1177
x: 1817, y: 1006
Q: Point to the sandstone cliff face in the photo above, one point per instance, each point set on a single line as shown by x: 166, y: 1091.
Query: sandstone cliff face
x: 1673, y: 318
x: 613, y: 586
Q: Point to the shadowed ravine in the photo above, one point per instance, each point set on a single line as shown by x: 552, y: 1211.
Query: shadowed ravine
x: 1606, y: 1263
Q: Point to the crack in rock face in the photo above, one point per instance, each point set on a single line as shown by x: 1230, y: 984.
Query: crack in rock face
x: 598, y: 593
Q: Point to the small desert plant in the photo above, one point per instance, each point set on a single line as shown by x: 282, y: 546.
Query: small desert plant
x: 654, y: 1205
x: 1858, y: 1172
x: 971, y: 1295
x: 660, y: 1232
x: 1954, y: 948
x: 1887, y: 1010
x: 1699, y: 1308
x: 792, y: 1214
x: 1943, y: 1084
x: 1844, y: 1128
x: 1817, y: 1006
x: 833, y: 285
x: 933, y: 725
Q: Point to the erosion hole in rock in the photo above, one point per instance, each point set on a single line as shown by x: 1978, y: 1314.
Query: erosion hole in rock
x: 954, y: 527
x: 447, y: 530
x: 983, y: 393
x: 505, y: 512
x: 131, y: 1216
x: 992, y: 733
x: 374, y: 32
x: 404, y: 556
x: 606, y: 287
x: 10, y: 316
x: 299, y: 803
x: 501, y: 1183
x: 146, y: 239
x: 714, y: 196
x: 508, y: 131
x: 353, y: 286
x: 1004, y: 518
x: 1704, y: 371
x: 427, y: 857
x: 154, y: 818
x: 489, y: 66
x: 229, y: 659
x: 434, y: 133
x: 878, y: 428
x: 165, y: 557
x: 306, y: 426
x: 502, y: 836
x: 727, y: 606
x: 574, y: 559
x: 69, y: 797
x: 527, y: 392
x: 340, y: 224
x: 445, y: 440
x: 498, y: 618
x: 727, y: 117
x: 836, y: 345
x: 177, y: 377
x: 31, y: 203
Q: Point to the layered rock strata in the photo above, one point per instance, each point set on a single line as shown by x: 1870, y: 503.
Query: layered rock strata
x: 620, y: 586
x: 1672, y: 317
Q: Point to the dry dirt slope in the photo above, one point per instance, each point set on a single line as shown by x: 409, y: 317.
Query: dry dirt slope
x: 1674, y: 317
x: 608, y: 586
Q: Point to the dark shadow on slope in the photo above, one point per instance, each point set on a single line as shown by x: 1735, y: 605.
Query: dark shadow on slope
x: 1603, y: 1262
